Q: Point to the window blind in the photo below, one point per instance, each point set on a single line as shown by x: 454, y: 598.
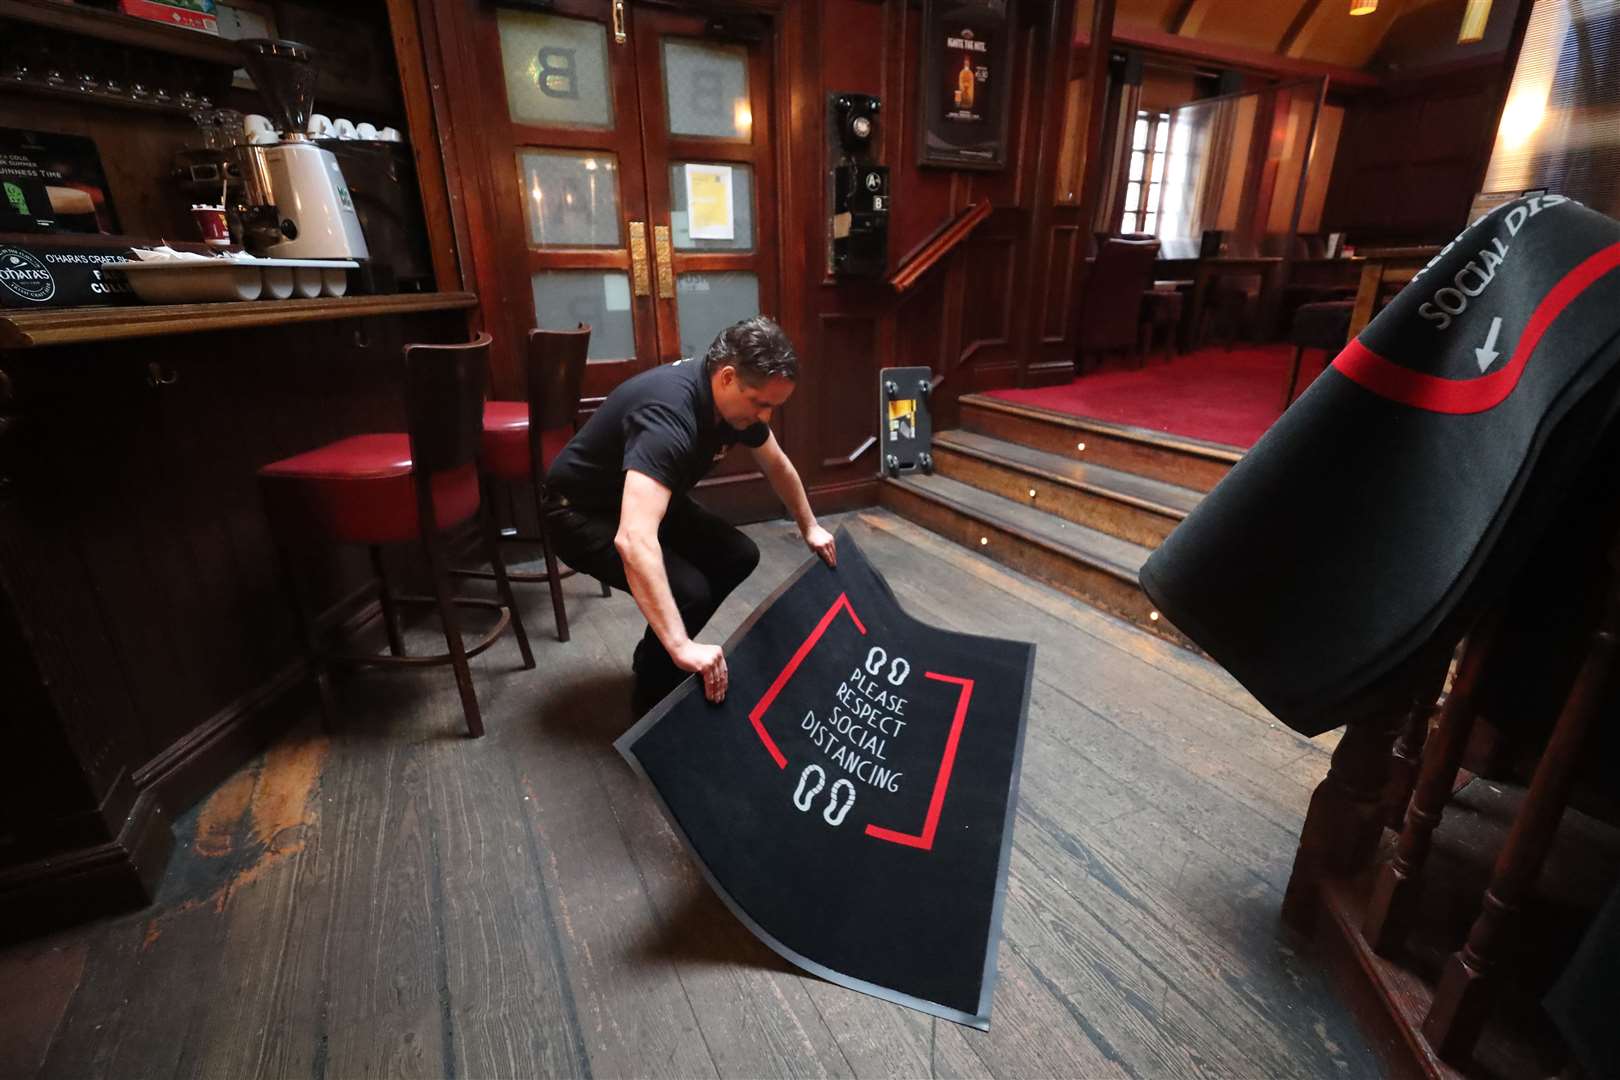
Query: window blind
x: 1560, y: 127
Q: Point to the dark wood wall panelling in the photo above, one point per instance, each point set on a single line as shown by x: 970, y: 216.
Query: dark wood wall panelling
x: 975, y: 318
x: 1411, y: 155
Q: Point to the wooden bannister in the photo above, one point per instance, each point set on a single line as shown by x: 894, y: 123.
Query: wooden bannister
x: 943, y: 243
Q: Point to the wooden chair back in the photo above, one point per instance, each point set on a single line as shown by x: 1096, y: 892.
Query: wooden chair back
x: 444, y: 403
x: 1111, y: 306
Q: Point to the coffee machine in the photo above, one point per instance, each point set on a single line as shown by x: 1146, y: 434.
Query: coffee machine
x: 297, y: 205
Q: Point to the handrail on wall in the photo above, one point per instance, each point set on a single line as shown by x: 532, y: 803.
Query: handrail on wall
x: 940, y: 246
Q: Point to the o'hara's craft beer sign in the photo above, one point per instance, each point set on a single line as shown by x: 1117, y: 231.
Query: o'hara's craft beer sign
x: 852, y: 798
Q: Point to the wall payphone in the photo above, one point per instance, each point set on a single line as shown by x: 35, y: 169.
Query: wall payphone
x: 860, y: 221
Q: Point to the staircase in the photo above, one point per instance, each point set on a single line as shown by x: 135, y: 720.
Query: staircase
x: 1076, y: 503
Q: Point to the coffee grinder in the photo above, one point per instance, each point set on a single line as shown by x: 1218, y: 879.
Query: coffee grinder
x: 297, y: 203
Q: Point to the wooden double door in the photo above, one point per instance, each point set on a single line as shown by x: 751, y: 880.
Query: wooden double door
x: 635, y: 186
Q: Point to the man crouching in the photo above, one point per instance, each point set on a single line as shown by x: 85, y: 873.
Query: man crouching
x: 619, y: 508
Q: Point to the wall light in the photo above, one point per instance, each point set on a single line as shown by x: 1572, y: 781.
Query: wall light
x: 1475, y: 16
x: 1363, y: 7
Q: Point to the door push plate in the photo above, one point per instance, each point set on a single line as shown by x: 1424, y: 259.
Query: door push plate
x: 638, y: 258
x: 666, y: 262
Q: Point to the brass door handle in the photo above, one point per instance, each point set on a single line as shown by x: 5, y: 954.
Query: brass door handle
x: 664, y: 252
x: 638, y: 258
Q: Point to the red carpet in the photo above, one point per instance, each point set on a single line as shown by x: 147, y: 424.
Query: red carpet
x: 1212, y: 394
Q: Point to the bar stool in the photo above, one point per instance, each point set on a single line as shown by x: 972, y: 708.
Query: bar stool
x: 519, y: 448
x: 394, y: 488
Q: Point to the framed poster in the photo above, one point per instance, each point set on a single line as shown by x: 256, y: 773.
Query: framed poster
x: 966, y: 92
x: 51, y: 182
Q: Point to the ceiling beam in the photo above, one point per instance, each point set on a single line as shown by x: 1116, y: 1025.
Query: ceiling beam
x: 1291, y: 35
x: 1178, y: 17
x: 1234, y: 56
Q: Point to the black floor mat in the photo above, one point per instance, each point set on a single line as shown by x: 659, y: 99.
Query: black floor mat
x: 852, y: 799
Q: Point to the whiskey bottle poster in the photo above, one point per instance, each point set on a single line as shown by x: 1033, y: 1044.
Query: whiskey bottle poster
x: 965, y: 83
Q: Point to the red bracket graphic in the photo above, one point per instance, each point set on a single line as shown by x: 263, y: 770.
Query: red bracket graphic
x: 757, y: 713
x: 942, y: 779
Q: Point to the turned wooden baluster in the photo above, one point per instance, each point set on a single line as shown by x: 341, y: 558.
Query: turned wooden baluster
x: 1389, y: 915
x: 1344, y: 819
x: 1414, y: 736
x: 1347, y: 812
x: 1406, y: 759
x: 1467, y: 989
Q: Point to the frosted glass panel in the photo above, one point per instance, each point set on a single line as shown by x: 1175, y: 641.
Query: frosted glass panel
x: 708, y: 303
x: 707, y: 89
x: 556, y: 70
x: 570, y: 199
x: 742, y: 208
x: 565, y: 298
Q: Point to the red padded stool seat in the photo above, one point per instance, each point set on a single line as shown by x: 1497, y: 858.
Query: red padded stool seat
x: 359, y: 490
x: 383, y: 490
x: 506, y: 440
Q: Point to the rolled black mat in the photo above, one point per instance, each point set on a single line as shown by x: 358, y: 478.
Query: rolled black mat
x: 1397, y: 498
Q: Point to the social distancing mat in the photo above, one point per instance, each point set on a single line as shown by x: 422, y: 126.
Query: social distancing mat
x: 852, y: 799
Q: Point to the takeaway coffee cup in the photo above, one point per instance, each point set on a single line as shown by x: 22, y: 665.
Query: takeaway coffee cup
x: 211, y: 222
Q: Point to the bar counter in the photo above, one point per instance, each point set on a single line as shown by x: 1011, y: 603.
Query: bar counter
x: 145, y: 643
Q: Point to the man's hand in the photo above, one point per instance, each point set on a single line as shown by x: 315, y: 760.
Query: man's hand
x: 821, y: 542
x: 708, y: 661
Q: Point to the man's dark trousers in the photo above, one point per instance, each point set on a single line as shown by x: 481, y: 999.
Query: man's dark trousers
x: 704, y: 557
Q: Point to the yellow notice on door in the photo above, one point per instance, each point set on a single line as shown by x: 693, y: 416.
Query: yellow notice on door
x: 708, y: 203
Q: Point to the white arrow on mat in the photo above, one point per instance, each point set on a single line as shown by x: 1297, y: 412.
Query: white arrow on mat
x: 1487, y: 356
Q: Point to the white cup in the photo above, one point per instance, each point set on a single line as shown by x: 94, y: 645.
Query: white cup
x: 365, y: 131
x: 258, y: 129
x: 343, y: 127
x: 388, y: 134
x: 320, y: 126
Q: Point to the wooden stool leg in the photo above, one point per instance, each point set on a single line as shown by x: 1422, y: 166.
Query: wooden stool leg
x: 433, y: 541
x: 385, y: 594
x: 503, y: 584
x: 559, y: 609
x: 1394, y: 898
x: 306, y: 632
x: 1467, y: 989
x: 1343, y: 821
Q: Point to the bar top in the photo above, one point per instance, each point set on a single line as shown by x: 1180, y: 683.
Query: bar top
x: 71, y: 326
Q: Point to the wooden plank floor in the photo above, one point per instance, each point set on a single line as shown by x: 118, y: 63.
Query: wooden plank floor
x: 392, y: 898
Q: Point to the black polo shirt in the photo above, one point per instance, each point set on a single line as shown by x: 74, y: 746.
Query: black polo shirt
x: 661, y: 423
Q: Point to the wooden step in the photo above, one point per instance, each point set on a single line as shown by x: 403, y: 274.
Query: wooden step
x: 1084, y: 562
x: 1174, y: 459
x: 1135, y: 508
